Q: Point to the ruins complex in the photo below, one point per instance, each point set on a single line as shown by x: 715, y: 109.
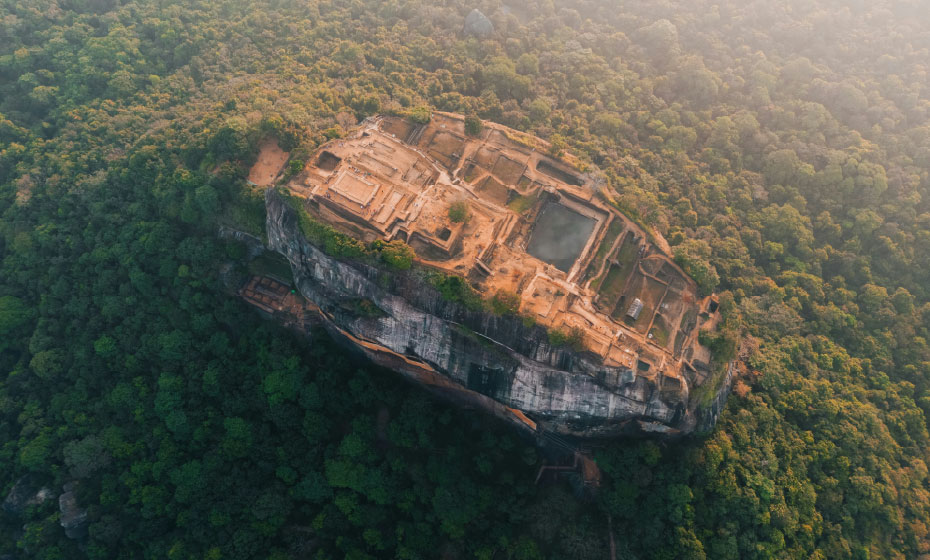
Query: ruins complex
x: 497, y: 209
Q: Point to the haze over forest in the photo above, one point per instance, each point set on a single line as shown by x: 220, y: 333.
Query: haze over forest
x: 782, y: 150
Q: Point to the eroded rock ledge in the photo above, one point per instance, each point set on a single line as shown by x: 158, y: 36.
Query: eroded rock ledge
x: 495, y: 362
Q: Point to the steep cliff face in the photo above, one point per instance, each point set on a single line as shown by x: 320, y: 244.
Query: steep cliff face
x: 494, y: 361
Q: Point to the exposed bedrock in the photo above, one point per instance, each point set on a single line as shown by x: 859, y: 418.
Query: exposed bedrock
x: 493, y: 361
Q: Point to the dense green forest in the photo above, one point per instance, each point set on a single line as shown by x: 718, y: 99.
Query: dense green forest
x: 782, y: 148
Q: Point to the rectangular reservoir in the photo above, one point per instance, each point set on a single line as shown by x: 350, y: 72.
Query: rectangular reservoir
x: 559, y: 236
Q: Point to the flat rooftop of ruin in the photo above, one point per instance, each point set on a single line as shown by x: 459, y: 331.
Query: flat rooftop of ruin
x: 536, y: 226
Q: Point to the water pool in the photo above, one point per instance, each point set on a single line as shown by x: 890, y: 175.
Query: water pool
x: 559, y: 236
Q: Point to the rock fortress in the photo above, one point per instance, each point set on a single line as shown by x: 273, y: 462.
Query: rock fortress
x: 600, y: 330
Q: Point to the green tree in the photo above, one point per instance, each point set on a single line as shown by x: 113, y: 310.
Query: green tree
x: 458, y: 211
x: 473, y: 125
x: 14, y: 317
x: 238, y: 438
x: 398, y: 255
x: 85, y: 456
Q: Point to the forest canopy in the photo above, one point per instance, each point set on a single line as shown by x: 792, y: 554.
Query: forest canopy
x: 782, y: 149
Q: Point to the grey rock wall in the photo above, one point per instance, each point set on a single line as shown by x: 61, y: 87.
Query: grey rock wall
x: 477, y: 353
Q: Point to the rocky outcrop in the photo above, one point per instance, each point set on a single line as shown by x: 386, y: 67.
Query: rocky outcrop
x: 706, y: 417
x: 73, y: 517
x: 25, y: 493
x: 477, y: 24
x: 253, y: 245
x: 494, y: 361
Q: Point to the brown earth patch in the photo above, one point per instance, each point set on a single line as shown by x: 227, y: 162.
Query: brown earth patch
x: 271, y: 159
